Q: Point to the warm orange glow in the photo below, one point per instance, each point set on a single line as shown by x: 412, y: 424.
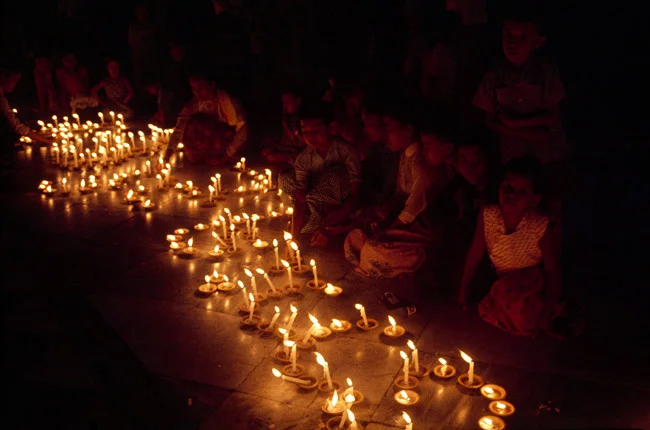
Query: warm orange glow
x: 312, y: 263
x: 358, y: 306
x: 411, y: 344
x: 275, y: 243
x: 335, y: 398
x: 287, y: 235
x: 444, y: 363
x: 391, y: 320
x: 190, y: 242
x: 337, y: 323
x: 403, y: 355
x: 465, y: 357
x: 293, y: 309
x: 285, y: 263
x: 406, y: 417
x: 320, y: 360
x: 276, y: 372
x: 248, y: 273
x: 207, y: 279
x: 313, y: 319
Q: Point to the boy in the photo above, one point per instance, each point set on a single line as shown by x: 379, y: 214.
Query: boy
x: 521, y: 97
x: 213, y: 101
x: 327, y: 177
x: 291, y: 143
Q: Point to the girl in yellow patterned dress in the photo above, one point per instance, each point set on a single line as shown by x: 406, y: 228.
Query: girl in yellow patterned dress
x: 519, y: 242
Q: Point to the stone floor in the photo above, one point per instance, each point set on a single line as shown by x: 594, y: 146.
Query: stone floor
x: 105, y: 329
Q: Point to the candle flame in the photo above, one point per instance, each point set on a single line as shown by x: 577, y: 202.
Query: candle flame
x: 349, y: 411
x: 207, y: 279
x: 237, y: 218
x: 190, y: 242
x: 222, y: 219
x: 501, y: 406
x: 232, y: 228
x: 275, y: 243
x: 444, y: 363
x: 225, y: 278
x: 276, y: 372
x: 403, y: 355
x: 294, y: 246
x: 147, y: 203
x: 241, y: 284
x: 248, y: 273
x: 64, y: 181
x: 285, y: 263
x: 251, y: 297
x: 293, y: 309
x: 358, y: 306
x: 335, y: 398
x: 226, y: 210
x: 216, y: 249
x: 277, y: 310
x: 83, y: 183
x: 287, y: 235
x: 349, y: 381
x: 312, y: 263
x: 289, y: 211
x: 211, y: 188
x: 391, y: 320
x: 337, y: 323
x: 129, y: 195
x: 411, y: 344
x: 488, y: 421
x: 289, y: 343
x: 245, y: 216
x: 404, y: 395
x: 320, y: 360
x: 260, y: 271
x: 465, y: 357
x: 282, y: 330
x: 258, y: 242
x: 313, y: 319
x: 406, y: 417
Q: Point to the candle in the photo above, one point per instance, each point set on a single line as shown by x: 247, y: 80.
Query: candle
x: 243, y: 292
x: 253, y: 283
x: 285, y: 333
x: 406, y: 366
x: 393, y: 324
x: 407, y: 419
x: 275, y: 245
x: 160, y: 180
x: 331, y: 404
x: 285, y: 263
x: 416, y: 362
x: 218, y: 176
x: 211, y: 189
x: 326, y: 371
x: 56, y: 121
x: 223, y: 225
x: 227, y: 211
x: 254, y: 218
x: 232, y: 237
x: 75, y: 116
x: 251, y: 306
x: 287, y: 239
x: 361, y: 309
x: 64, y: 183
x: 275, y: 318
x: 216, y: 236
x: 353, y: 422
x: 291, y: 344
x: 112, y: 114
x: 350, y: 387
x: 311, y: 329
x: 279, y: 374
x: 443, y: 370
x: 313, y: 268
x: 266, y: 277
x: 470, y: 372
x: 269, y: 176
x: 294, y: 246
x: 294, y: 313
x: 243, y: 163
x: 248, y: 224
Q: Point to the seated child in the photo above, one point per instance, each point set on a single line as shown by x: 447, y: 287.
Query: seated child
x: 325, y: 184
x: 117, y: 89
x: 73, y: 80
x: 517, y: 238
x: 291, y: 142
x: 215, y: 102
x: 45, y: 85
x: 173, y: 90
x: 417, y: 212
x: 521, y: 99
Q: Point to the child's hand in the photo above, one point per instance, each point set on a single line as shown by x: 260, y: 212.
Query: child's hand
x: 319, y: 239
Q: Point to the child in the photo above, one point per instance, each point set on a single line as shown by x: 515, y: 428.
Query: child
x: 73, y: 80
x: 415, y: 211
x: 327, y: 176
x: 118, y: 90
x: 45, y: 85
x: 291, y: 142
x: 521, y: 97
x: 517, y: 238
x: 213, y: 101
x: 174, y: 90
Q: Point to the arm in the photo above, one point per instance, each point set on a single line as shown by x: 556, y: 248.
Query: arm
x: 473, y: 260
x: 95, y: 90
x: 552, y: 276
x: 235, y: 117
x: 129, y: 91
x: 179, y: 129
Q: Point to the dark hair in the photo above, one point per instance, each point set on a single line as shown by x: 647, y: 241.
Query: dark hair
x: 404, y: 111
x: 291, y: 89
x: 527, y: 14
x: 528, y: 167
x: 373, y: 105
x: 316, y: 110
x: 444, y: 126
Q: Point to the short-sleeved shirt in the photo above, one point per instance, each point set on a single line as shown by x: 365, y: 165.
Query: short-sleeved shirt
x: 309, y: 161
x: 520, y: 93
x: 116, y: 89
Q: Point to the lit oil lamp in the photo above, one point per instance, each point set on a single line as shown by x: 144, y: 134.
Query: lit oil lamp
x: 304, y: 382
x: 332, y: 290
x: 190, y: 251
x: 491, y: 423
x: 175, y: 246
x: 131, y: 198
x: 207, y: 287
x: 493, y: 392
x: 444, y: 370
x: 469, y: 380
x: 149, y: 206
x: 201, y: 227
x: 174, y: 237
x: 406, y: 397
x: 83, y: 189
x: 216, y: 253
x: 394, y: 330
x: 226, y: 286
x: 501, y: 408
x: 365, y: 323
x: 333, y: 406
x: 260, y: 244
x: 340, y: 326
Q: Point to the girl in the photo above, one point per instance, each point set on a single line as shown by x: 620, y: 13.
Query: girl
x: 518, y: 240
x: 117, y: 88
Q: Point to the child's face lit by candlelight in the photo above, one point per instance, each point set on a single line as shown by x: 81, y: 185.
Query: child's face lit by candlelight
x: 316, y: 133
x: 399, y: 136
x: 290, y: 103
x: 471, y: 164
x: 373, y: 128
x: 435, y: 150
x: 114, y: 69
x: 516, y: 194
x: 202, y: 89
x: 520, y: 40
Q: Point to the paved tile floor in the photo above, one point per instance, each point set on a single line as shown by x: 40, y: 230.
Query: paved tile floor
x: 106, y: 330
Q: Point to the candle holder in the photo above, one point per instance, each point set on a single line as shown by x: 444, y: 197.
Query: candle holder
x: 247, y: 237
x: 149, y: 208
x: 463, y: 380
x: 493, y: 392
x: 333, y: 291
x: 336, y: 410
x: 292, y: 335
x: 372, y: 324
x: 311, y: 284
x: 264, y: 329
x: 64, y: 193
x: 190, y: 252
x: 394, y: 332
x: 177, y: 246
x: 243, y: 308
x: 412, y: 398
x: 181, y: 231
x: 207, y: 288
x: 216, y: 255
x: 321, y: 334
x: 226, y: 287
x: 201, y: 227
x: 248, y: 323
x: 323, y: 387
x: 306, y: 345
x: 87, y: 190
x: 424, y: 371
x: 358, y: 396
x: 49, y: 193
x: 260, y: 245
x: 345, y: 327
x: 490, y: 422
x: 277, y: 294
x: 131, y: 201
x: 313, y: 383
x: 506, y: 410
x: 281, y: 357
x: 292, y: 290
x: 412, y: 383
x: 260, y: 297
x: 275, y: 271
x: 288, y: 370
x: 334, y: 423
x: 303, y: 270
x: 233, y: 251
x: 449, y: 373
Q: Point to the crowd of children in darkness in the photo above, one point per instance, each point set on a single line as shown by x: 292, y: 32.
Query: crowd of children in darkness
x: 402, y: 181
